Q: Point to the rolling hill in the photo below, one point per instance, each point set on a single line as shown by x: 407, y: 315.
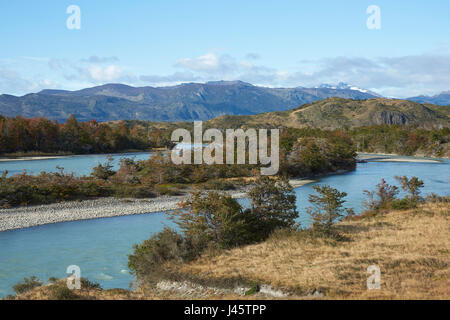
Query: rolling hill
x: 335, y: 113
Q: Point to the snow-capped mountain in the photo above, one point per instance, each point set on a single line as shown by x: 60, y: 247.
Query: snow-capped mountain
x: 346, y: 86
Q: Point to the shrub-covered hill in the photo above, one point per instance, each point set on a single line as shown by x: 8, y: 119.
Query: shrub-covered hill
x: 335, y: 113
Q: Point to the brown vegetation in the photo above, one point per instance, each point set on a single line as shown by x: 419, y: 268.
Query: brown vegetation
x: 411, y: 247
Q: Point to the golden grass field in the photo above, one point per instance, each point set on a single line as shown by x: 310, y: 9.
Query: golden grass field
x: 412, y: 249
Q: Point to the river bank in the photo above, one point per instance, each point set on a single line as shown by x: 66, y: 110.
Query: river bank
x: 31, y: 216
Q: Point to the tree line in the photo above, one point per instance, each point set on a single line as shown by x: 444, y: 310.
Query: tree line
x: 41, y: 135
x: 19, y: 134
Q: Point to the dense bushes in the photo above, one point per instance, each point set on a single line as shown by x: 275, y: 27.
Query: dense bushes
x: 304, y: 155
x: 24, y: 189
x: 403, y: 140
x: 216, y: 221
x: 149, y: 257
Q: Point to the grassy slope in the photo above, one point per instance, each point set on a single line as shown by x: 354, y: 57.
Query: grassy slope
x: 411, y: 248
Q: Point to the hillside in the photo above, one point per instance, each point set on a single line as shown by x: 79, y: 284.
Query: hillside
x: 335, y: 113
x: 191, y: 101
x: 410, y: 247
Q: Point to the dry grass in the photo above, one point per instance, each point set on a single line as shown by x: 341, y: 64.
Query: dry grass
x: 412, y: 249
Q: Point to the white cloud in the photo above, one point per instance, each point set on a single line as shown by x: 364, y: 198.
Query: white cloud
x: 392, y: 76
x: 209, y: 63
x: 174, y: 78
x: 12, y: 82
x: 403, y: 76
x: 108, y: 73
x: 97, y: 59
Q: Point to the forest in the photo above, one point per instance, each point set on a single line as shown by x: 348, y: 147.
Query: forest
x: 23, y: 135
x: 20, y: 136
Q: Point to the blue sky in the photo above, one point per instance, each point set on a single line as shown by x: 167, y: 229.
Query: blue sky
x: 270, y: 43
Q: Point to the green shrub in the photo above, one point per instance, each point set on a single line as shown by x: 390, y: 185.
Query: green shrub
x: 400, y: 204
x: 148, y: 258
x: 217, y: 220
x: 167, y: 190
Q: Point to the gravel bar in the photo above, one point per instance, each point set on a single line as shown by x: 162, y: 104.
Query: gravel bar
x: 30, y: 216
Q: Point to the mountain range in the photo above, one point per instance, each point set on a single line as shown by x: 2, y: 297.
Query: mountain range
x: 185, y: 102
x: 442, y: 99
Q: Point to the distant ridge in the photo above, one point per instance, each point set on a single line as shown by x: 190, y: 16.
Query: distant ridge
x: 442, y: 99
x: 185, y: 102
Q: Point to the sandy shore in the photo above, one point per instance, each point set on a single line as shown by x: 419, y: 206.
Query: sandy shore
x: 407, y: 160
x: 31, y: 158
x: 295, y: 183
x: 25, y: 217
